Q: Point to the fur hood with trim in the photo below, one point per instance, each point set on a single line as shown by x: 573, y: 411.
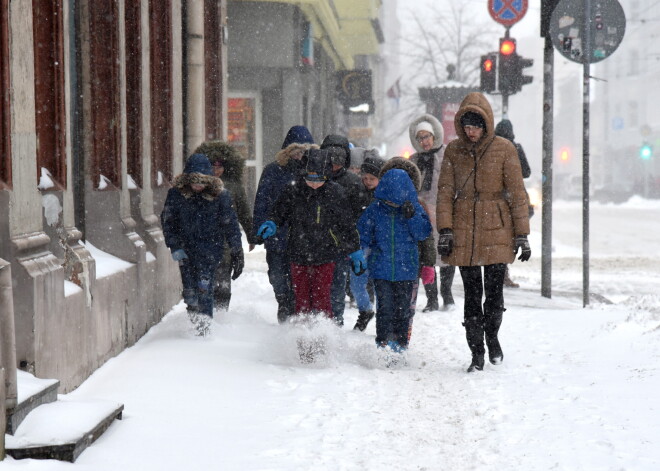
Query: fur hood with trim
x: 284, y: 156
x: 404, y: 164
x: 184, y: 181
x: 216, y: 150
x: 438, y: 132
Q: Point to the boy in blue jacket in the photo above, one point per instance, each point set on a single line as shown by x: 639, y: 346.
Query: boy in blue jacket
x: 197, y: 219
x: 389, y: 230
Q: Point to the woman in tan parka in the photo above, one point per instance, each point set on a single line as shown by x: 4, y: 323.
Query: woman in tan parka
x: 482, y: 220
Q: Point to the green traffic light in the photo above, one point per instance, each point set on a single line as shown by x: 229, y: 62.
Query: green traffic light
x: 645, y: 152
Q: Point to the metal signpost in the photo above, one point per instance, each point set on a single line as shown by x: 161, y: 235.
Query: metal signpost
x: 587, y: 32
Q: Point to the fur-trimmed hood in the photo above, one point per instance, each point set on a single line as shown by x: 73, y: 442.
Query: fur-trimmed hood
x: 404, y: 164
x: 233, y: 162
x: 283, y: 156
x: 213, y: 184
x: 438, y: 131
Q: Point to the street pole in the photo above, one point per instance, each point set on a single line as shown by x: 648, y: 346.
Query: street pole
x: 548, y: 152
x: 585, y: 153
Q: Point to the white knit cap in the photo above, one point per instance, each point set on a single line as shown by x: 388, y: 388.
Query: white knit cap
x: 424, y: 126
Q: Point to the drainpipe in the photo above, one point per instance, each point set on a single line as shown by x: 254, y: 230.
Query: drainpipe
x: 7, y: 336
x: 75, y: 91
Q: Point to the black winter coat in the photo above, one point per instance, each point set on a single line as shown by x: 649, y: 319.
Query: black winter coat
x: 319, y: 231
x: 353, y: 187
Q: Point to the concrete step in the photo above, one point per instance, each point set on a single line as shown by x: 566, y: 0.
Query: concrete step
x: 62, y: 430
x: 32, y: 393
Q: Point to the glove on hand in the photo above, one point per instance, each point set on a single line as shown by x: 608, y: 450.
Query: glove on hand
x: 267, y: 229
x: 237, y: 263
x: 525, y: 250
x: 179, y: 255
x: 204, y: 284
x: 359, y: 262
x: 428, y: 275
x: 408, y: 210
x: 445, y: 242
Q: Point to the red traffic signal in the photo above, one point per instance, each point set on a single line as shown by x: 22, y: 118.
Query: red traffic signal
x: 507, y: 46
x: 489, y: 73
x: 488, y: 65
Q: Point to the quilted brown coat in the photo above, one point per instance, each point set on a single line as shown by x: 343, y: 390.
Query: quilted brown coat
x: 481, y: 195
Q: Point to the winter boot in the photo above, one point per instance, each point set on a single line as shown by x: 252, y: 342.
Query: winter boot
x: 491, y: 329
x: 193, y: 314
x: 446, y: 280
x: 285, y: 308
x: 363, y: 320
x: 432, y: 296
x: 221, y: 301
x: 508, y: 282
x: 203, y: 325
x: 474, y: 333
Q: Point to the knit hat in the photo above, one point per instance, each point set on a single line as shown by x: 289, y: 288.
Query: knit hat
x: 505, y: 129
x: 372, y: 162
x: 198, y: 163
x: 298, y: 135
x: 471, y: 118
x: 424, y: 126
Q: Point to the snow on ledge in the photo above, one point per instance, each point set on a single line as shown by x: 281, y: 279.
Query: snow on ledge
x: 106, y: 264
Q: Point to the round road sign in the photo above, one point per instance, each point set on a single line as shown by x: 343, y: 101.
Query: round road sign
x: 607, y: 27
x: 507, y: 12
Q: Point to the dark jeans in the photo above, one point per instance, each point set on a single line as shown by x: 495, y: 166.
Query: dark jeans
x: 338, y: 291
x: 393, y: 311
x: 279, y: 275
x: 222, y: 282
x: 476, y: 317
x: 191, y: 274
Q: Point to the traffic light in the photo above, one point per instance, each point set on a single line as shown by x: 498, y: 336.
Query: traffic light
x: 489, y: 73
x: 645, y: 152
x: 508, y: 66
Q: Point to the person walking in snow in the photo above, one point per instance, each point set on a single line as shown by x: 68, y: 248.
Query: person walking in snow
x: 339, y: 150
x: 389, y: 231
x: 319, y: 233
x: 426, y: 136
x: 478, y: 226
x: 370, y: 170
x: 228, y: 165
x: 276, y: 176
x: 198, y: 219
x: 505, y: 129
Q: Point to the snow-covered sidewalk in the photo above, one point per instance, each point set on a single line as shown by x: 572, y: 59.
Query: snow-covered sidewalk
x: 577, y: 390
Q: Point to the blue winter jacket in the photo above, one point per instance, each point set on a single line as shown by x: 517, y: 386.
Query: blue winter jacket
x: 200, y: 223
x: 390, y: 237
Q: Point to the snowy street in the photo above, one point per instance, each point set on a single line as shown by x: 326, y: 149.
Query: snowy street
x: 578, y: 388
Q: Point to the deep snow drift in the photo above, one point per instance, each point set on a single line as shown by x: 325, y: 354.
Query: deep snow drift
x: 578, y: 388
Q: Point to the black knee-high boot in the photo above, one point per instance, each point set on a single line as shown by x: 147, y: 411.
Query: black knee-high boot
x: 446, y: 280
x: 432, y: 296
x: 474, y: 333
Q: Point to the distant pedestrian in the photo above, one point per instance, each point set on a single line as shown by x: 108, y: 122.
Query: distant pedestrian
x: 426, y: 135
x: 198, y: 219
x: 505, y: 129
x: 389, y: 230
x: 286, y: 170
x: 478, y: 226
x: 228, y: 165
x: 319, y: 233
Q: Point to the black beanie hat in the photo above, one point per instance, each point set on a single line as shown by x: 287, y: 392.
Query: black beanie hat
x: 473, y: 119
x: 372, y: 162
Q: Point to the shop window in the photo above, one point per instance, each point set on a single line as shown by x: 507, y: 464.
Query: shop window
x: 160, y: 40
x: 105, y: 108
x: 5, y: 128
x: 133, y: 93
x: 49, y: 100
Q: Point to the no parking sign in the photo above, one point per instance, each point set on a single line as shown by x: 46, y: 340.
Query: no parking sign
x: 507, y: 12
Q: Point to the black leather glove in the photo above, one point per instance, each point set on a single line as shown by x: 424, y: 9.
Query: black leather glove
x: 408, y: 210
x: 525, y: 250
x: 237, y: 263
x: 445, y: 241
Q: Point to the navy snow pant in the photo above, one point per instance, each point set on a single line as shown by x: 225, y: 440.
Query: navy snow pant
x: 393, y: 311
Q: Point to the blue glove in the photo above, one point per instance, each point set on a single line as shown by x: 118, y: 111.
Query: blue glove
x: 359, y: 262
x: 267, y: 229
x: 179, y: 255
x: 204, y: 284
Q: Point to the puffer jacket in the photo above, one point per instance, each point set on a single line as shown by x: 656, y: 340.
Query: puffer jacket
x: 391, y: 238
x: 471, y: 193
x: 199, y: 223
x: 274, y: 178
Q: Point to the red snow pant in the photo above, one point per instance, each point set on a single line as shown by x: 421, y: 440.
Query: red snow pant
x: 311, y: 287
